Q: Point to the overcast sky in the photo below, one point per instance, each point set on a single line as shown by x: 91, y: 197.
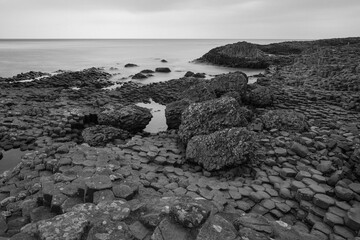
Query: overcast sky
x: 240, y: 19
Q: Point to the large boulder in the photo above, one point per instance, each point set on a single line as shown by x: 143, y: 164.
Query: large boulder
x: 101, y: 135
x: 210, y: 116
x: 260, y: 96
x: 131, y: 118
x: 285, y: 120
x: 199, y: 92
x: 226, y: 148
x: 222, y: 84
x: 173, y: 113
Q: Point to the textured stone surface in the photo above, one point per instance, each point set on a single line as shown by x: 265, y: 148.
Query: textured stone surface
x: 229, y: 147
x: 210, y: 116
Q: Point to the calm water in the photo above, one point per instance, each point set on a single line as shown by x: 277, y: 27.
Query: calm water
x: 50, y: 55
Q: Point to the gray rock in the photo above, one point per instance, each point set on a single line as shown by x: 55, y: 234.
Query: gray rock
x: 285, y: 120
x: 70, y: 226
x: 260, y: 96
x: 173, y: 113
x: 101, y: 135
x: 229, y: 147
x: 110, y: 231
x: 169, y: 230
x: 299, y: 149
x: 216, y: 227
x: 236, y: 81
x: 163, y: 69
x: 131, y: 118
x: 190, y: 215
x: 210, y: 116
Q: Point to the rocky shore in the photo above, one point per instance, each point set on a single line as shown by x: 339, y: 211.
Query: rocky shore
x: 278, y: 159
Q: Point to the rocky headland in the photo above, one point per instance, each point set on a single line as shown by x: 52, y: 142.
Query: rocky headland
x: 278, y: 159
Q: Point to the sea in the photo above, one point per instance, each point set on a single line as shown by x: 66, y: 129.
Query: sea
x: 50, y: 55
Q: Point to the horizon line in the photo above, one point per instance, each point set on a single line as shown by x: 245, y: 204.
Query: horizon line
x: 159, y: 38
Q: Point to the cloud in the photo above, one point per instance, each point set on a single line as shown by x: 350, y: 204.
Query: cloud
x: 179, y: 19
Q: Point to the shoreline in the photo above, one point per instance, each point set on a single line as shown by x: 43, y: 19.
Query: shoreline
x: 297, y: 168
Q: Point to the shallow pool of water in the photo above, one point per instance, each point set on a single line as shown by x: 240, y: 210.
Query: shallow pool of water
x: 158, y: 121
x: 10, y: 159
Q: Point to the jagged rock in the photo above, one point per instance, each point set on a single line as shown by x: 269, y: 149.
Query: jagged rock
x: 101, y: 135
x: 352, y: 218
x: 190, y: 215
x: 286, y: 120
x: 260, y: 96
x: 229, y: 147
x: 169, y: 230
x: 210, y: 116
x: 216, y: 227
x: 131, y: 118
x: 110, y: 231
x: 236, y: 81
x: 163, y: 70
x: 173, y: 113
x: 199, y: 93
x: 70, y: 226
x: 139, y: 76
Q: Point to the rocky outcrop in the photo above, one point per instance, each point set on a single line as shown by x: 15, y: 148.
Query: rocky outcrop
x: 260, y: 96
x: 225, y: 148
x: 101, y: 135
x: 210, y: 116
x: 139, y: 76
x: 199, y: 92
x: 231, y: 82
x: 287, y: 120
x: 131, y: 118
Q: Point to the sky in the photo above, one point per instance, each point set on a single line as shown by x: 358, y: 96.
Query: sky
x: 219, y: 19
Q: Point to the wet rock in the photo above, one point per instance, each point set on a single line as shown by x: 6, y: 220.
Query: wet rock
x: 163, y: 70
x: 139, y: 76
x: 163, y: 61
x: 210, y: 116
x: 173, y: 113
x: 147, y: 71
x: 130, y: 65
x: 101, y: 135
x: 189, y: 74
x: 131, y: 118
x: 286, y: 120
x: 229, y: 147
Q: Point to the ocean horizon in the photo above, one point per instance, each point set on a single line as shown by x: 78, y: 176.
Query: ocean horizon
x: 50, y: 55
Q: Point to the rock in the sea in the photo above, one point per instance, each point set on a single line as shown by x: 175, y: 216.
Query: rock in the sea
x: 236, y: 81
x: 229, y: 147
x: 131, y: 118
x: 189, y: 74
x: 173, y: 113
x: 210, y: 116
x: 101, y: 135
x: 286, y: 120
x: 260, y: 96
x: 130, y: 65
x: 139, y: 76
x: 163, y: 70
x: 147, y: 71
